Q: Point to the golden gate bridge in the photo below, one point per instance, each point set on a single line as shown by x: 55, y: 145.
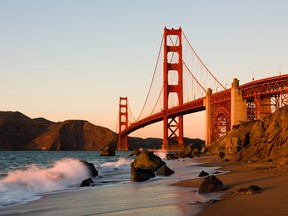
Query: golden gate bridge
x: 183, y: 84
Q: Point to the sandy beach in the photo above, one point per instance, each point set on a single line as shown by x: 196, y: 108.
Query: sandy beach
x: 272, y: 178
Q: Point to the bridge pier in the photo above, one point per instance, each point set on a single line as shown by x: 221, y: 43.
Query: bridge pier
x: 262, y: 106
x: 122, y: 143
x: 207, y: 103
x: 238, y: 104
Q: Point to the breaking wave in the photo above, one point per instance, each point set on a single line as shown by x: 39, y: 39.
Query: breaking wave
x: 28, y: 184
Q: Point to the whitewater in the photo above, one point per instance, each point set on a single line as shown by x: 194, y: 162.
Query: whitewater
x: 48, y: 183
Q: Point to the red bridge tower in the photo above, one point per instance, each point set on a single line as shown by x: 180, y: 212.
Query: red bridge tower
x: 123, y: 123
x: 173, y: 125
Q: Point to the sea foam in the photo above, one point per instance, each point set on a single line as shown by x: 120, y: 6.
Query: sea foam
x: 28, y: 184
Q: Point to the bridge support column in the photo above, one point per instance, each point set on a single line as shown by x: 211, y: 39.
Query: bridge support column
x: 172, y: 124
x: 208, y: 141
x: 265, y: 106
x: 122, y: 143
x: 123, y: 123
x: 238, y: 104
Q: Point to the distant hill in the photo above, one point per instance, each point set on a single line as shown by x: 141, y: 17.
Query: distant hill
x: 16, y: 130
x: 264, y: 139
x: 73, y: 135
x: 19, y: 132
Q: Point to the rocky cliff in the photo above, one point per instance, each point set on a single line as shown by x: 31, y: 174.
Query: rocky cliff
x: 264, y: 139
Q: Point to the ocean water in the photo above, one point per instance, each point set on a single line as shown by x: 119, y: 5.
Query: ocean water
x: 47, y: 183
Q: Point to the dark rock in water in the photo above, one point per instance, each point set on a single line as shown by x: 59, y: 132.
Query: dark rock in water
x: 188, y: 151
x: 172, y: 156
x: 252, y: 189
x: 192, y: 150
x: 164, y: 171
x: 147, y: 160
x: 211, y: 184
x: 203, y: 173
x: 136, y: 152
x: 87, y: 182
x: 144, y: 166
x: 91, y: 168
x: 139, y: 175
x: 107, y: 151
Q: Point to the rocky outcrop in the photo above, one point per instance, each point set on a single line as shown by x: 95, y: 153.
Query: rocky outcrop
x: 211, y: 184
x: 203, y: 173
x: 139, y: 174
x: 146, y: 165
x: 252, y: 189
x: 264, y: 139
x: 192, y: 150
x: 92, y: 170
x: 87, y: 182
x: 164, y: 170
x: 136, y: 152
x: 107, y: 151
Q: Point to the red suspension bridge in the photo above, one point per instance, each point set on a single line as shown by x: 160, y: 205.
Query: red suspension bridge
x: 182, y: 84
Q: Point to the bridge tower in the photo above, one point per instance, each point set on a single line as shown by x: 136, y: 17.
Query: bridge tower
x: 123, y: 123
x: 173, y: 125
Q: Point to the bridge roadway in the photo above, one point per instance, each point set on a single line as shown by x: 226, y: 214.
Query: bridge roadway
x: 186, y: 108
x: 263, y: 87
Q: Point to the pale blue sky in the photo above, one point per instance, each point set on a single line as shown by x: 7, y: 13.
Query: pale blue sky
x: 68, y: 59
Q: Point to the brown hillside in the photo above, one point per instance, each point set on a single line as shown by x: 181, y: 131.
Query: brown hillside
x: 16, y: 130
x: 264, y: 139
x: 73, y: 135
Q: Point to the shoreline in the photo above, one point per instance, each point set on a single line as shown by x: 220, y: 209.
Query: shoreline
x: 269, y: 176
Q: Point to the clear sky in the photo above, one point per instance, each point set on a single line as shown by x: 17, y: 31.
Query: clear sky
x: 72, y: 59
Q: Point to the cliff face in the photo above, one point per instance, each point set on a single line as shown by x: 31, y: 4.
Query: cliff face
x: 265, y: 139
x: 19, y: 132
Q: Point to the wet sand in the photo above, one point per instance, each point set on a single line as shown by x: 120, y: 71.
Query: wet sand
x: 271, y: 177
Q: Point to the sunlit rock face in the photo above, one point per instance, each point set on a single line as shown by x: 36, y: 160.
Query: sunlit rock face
x: 264, y: 139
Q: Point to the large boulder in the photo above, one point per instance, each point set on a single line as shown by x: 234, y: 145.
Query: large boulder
x: 146, y: 165
x: 192, y: 150
x: 147, y: 160
x: 164, y: 170
x: 211, y: 184
x: 136, y: 152
x: 139, y: 175
x: 92, y: 170
x: 87, y: 182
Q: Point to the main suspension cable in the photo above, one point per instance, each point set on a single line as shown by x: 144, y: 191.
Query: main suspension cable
x: 202, y: 61
x: 159, y: 53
